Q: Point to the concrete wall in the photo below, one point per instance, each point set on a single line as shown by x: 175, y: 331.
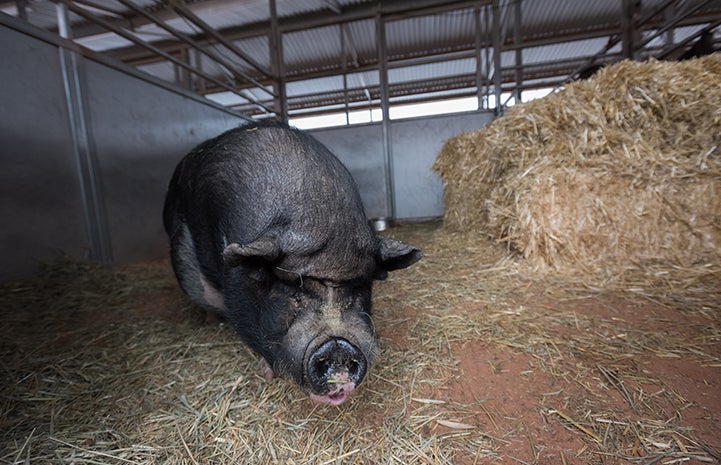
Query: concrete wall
x: 137, y: 130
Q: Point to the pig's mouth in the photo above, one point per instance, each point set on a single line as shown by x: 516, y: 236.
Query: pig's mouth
x: 341, y: 387
x: 333, y: 370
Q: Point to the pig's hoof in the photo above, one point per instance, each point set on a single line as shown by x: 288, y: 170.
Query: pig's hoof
x: 266, y: 370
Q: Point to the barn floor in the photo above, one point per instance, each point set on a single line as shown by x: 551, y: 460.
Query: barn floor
x: 481, y: 363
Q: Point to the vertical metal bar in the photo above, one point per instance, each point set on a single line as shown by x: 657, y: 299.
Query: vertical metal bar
x: 669, y: 14
x: 96, y: 225
x: 488, y: 40
x: 344, y: 68
x: 517, y: 39
x: 177, y: 78
x: 385, y: 111
x: 185, y: 76
x: 629, y: 42
x: 497, y: 78
x: 63, y: 22
x: 479, y: 58
x: 22, y: 6
x: 276, y: 58
x: 201, y: 86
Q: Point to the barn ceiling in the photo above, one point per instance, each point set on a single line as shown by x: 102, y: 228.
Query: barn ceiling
x: 312, y: 56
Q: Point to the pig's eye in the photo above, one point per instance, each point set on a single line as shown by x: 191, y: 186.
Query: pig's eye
x: 289, y: 277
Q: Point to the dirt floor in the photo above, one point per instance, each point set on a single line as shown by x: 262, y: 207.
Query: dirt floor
x: 481, y: 363
x: 549, y: 414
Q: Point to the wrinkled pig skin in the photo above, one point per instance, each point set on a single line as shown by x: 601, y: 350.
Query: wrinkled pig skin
x: 267, y: 227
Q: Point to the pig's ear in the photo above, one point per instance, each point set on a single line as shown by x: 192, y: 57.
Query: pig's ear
x: 264, y: 248
x: 396, y: 254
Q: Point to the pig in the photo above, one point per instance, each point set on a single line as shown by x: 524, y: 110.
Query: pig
x: 267, y: 227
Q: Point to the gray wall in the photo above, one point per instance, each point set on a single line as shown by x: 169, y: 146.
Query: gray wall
x: 418, y: 192
x: 137, y: 130
x: 141, y: 131
x: 40, y: 201
x: 416, y: 143
x: 360, y: 148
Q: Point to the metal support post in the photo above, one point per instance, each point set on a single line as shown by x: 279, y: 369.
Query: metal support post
x: 517, y: 39
x: 385, y: 111
x: 22, y: 6
x: 629, y: 30
x: 95, y: 218
x: 669, y: 14
x: 497, y: 77
x: 278, y: 66
x: 479, y: 57
x: 344, y: 69
x: 488, y: 40
x: 199, y: 86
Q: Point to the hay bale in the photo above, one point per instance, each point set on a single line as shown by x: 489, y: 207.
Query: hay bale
x: 620, y: 170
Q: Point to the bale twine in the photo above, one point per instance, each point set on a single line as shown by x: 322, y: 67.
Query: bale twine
x: 621, y: 170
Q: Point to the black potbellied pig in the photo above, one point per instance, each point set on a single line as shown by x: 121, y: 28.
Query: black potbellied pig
x: 267, y: 227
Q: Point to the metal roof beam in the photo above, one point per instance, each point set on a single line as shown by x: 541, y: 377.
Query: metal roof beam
x: 205, y: 51
x: 127, y: 35
x: 160, y: 11
x: 429, y: 58
x: 310, y: 20
x: 205, y: 27
x: 674, y: 23
x: 668, y: 52
x: 393, y: 9
x: 553, y: 68
x: 644, y: 20
x: 139, y: 55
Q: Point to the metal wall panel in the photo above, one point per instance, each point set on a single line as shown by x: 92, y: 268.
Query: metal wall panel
x: 416, y: 144
x: 141, y: 131
x: 40, y: 200
x: 360, y: 148
x: 137, y: 131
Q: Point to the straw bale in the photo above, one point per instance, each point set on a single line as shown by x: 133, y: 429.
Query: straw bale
x: 622, y: 170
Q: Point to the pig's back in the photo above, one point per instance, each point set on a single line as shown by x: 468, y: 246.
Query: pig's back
x: 260, y: 178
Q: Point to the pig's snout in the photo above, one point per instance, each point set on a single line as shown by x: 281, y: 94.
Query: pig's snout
x: 334, y: 370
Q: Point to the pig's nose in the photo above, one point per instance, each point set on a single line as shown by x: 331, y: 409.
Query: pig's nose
x: 337, y: 361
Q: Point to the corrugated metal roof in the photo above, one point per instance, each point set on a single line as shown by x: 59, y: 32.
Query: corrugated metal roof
x: 563, y: 51
x: 432, y: 70
x: 310, y: 50
x: 422, y: 35
x: 548, y: 16
x: 431, y: 52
